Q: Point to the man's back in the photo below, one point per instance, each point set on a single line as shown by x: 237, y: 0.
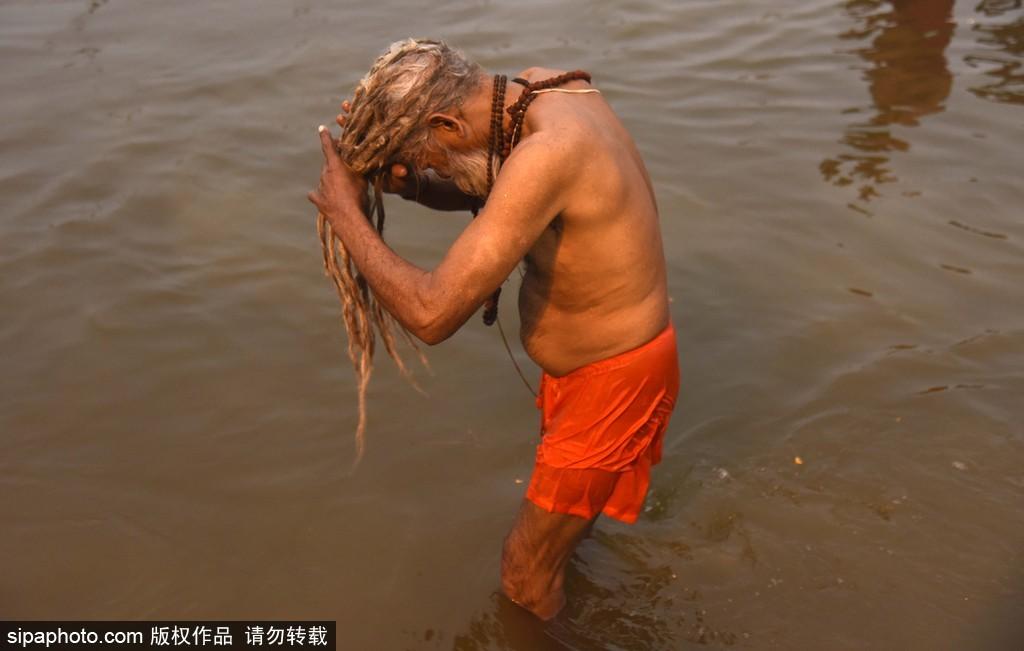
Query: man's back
x: 595, y: 279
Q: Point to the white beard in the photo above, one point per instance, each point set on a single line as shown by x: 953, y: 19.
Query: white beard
x: 469, y: 171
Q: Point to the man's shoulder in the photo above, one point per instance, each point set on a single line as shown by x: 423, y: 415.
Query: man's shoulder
x: 564, y: 133
x: 536, y: 73
x: 564, y: 148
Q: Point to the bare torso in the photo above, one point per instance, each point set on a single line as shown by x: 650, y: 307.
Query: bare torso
x: 595, y: 283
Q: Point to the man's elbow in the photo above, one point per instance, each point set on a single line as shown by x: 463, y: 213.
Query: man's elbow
x: 432, y: 337
x: 427, y: 333
x: 433, y: 328
x: 436, y: 317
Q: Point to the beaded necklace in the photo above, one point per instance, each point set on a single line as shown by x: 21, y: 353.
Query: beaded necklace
x: 501, y: 142
x: 518, y: 110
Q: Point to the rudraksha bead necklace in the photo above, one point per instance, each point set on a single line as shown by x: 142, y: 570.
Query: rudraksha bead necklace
x: 518, y: 110
x: 501, y: 142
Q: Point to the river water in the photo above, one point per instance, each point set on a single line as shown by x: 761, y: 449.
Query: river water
x: 840, y: 194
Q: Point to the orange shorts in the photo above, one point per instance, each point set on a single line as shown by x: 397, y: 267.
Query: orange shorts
x: 602, y: 427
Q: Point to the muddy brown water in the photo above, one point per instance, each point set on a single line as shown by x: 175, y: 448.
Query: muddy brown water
x: 840, y: 194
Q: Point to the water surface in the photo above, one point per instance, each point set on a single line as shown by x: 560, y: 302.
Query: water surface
x: 839, y: 185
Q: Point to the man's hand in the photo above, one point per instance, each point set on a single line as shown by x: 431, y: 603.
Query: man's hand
x: 404, y: 182
x: 340, y: 189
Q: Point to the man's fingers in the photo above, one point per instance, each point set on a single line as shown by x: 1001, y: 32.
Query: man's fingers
x: 346, y: 106
x: 327, y: 144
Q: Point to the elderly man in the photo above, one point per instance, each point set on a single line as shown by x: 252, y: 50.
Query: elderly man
x: 560, y: 187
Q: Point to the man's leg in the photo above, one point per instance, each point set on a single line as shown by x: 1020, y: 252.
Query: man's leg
x: 534, y: 557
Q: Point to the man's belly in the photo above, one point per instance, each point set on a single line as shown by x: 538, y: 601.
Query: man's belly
x: 563, y: 337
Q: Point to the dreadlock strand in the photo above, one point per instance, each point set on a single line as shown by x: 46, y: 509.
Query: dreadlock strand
x: 386, y: 123
x: 343, y: 283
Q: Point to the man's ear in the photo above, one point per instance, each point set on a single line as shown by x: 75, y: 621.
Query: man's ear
x: 447, y: 126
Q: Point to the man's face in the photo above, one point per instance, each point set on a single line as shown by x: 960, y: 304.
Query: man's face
x: 467, y: 168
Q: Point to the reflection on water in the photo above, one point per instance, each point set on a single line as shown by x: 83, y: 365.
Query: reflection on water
x: 1008, y: 86
x: 908, y: 79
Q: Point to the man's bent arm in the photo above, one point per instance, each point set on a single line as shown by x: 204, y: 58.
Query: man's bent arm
x: 430, y: 190
x: 432, y: 305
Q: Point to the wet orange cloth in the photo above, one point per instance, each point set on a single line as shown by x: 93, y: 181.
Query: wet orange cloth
x: 602, y: 427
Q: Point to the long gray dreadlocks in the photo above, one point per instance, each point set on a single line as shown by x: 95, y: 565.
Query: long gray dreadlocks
x: 387, y: 124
